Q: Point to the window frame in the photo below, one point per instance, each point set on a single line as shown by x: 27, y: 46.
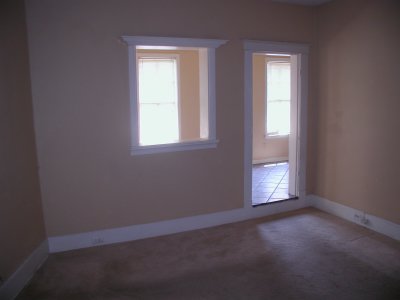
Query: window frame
x: 273, y: 59
x: 170, y: 43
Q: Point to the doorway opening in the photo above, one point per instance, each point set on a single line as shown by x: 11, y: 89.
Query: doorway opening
x: 275, y: 92
x: 273, y: 175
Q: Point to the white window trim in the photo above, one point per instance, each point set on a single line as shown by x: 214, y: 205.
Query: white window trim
x: 169, y: 43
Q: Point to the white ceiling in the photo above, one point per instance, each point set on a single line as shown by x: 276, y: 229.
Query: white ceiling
x: 304, y: 2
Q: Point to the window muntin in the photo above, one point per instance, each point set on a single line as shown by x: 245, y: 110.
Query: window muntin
x: 277, y: 98
x: 158, y: 99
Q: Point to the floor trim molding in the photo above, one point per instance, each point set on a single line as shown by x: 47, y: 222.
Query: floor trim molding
x: 356, y: 216
x: 136, y: 232
x: 17, y: 281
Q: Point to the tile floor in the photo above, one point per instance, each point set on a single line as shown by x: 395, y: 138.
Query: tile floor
x: 270, y: 183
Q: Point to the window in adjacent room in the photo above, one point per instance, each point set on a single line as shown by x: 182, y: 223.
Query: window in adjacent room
x: 172, y: 93
x: 277, y: 97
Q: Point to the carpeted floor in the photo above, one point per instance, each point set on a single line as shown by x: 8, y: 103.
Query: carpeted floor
x: 305, y: 254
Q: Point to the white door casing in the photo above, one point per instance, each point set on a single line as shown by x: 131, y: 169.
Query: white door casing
x: 299, y: 54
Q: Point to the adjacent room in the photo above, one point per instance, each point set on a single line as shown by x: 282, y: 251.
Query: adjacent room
x: 274, y: 156
x: 199, y: 149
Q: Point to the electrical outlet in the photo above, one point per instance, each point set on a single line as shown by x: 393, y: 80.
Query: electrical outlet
x: 97, y: 241
x: 361, y: 218
x: 364, y: 220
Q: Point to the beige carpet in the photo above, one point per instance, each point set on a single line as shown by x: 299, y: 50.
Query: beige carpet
x: 305, y: 254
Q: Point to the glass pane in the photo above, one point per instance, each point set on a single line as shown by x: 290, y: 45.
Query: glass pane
x: 158, y: 101
x: 158, y: 124
x: 278, y: 118
x: 278, y: 98
x: 157, y: 80
x: 278, y: 81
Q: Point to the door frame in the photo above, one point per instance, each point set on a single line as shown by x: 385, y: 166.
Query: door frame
x: 300, y: 51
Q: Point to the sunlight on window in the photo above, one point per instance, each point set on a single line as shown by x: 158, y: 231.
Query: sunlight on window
x: 158, y: 101
x: 278, y: 98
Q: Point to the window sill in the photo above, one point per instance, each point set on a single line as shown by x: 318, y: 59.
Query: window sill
x: 174, y: 147
x: 272, y: 137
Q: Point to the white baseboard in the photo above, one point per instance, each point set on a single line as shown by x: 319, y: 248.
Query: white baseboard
x: 135, y: 232
x: 356, y: 216
x: 11, y: 288
x: 17, y: 281
x: 270, y: 160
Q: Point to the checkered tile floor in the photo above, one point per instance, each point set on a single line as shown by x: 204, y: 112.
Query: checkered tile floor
x: 270, y: 183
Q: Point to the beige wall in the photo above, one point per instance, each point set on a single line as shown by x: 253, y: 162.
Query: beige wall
x: 189, y: 92
x: 264, y: 148
x: 21, y: 220
x: 357, y: 154
x: 79, y: 71
x: 89, y: 179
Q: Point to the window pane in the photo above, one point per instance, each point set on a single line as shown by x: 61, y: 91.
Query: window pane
x: 278, y: 118
x: 158, y: 101
x: 157, y: 80
x: 158, y: 124
x: 278, y: 81
x: 278, y: 98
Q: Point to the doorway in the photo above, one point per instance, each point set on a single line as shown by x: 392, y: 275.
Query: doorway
x: 275, y: 109
x: 273, y: 173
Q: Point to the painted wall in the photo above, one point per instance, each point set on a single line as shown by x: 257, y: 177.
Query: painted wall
x: 189, y: 91
x: 21, y: 219
x: 357, y: 155
x: 269, y: 149
x: 89, y: 180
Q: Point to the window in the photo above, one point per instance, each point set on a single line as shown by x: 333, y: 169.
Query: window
x: 158, y: 107
x: 172, y: 93
x: 277, y: 97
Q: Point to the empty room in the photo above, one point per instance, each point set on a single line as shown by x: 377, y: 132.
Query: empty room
x: 208, y: 149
